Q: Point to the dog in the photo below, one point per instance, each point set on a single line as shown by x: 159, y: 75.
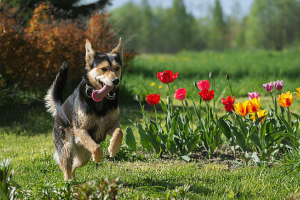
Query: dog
x: 89, y: 113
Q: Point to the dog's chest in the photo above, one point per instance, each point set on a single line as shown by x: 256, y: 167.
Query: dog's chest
x: 96, y: 126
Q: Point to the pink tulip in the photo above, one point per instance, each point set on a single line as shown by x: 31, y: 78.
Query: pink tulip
x: 180, y: 94
x: 268, y: 86
x: 278, y: 85
x: 252, y: 95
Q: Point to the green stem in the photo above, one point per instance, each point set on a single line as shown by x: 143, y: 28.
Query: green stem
x: 170, y: 105
x: 290, y: 121
x: 155, y: 114
x: 214, y: 105
x: 183, y: 107
x: 230, y: 88
x: 275, y: 104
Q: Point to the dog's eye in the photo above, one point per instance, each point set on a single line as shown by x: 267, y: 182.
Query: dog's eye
x: 104, y: 69
x: 117, y: 68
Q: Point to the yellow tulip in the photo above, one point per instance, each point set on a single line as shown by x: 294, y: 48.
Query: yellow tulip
x: 285, y: 99
x: 254, y: 105
x: 242, y: 108
x: 298, y: 93
x: 259, y: 115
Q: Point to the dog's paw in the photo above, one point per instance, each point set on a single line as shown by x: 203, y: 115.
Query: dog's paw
x: 97, y: 155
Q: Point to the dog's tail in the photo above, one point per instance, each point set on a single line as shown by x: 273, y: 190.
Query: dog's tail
x: 54, y: 97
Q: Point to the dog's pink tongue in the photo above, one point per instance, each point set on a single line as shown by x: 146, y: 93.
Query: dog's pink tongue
x: 98, y: 95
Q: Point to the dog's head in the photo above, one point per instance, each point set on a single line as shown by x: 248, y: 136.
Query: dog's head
x: 104, y: 70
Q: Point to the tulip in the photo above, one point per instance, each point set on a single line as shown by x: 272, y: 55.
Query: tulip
x: 286, y: 99
x: 298, y: 93
x: 167, y: 76
x: 268, y: 86
x: 254, y: 105
x: 228, y: 103
x: 259, y: 115
x: 242, y: 108
x: 252, y: 95
x: 203, y: 85
x: 180, y: 94
x: 153, y: 99
x: 207, y: 95
x: 278, y: 85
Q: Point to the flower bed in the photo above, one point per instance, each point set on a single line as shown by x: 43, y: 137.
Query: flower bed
x: 258, y: 133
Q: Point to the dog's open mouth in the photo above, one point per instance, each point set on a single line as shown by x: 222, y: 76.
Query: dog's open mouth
x: 106, y: 90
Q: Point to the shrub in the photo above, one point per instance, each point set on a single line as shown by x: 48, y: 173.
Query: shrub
x: 31, y: 57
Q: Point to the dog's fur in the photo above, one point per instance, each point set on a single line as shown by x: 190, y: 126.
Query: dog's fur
x: 80, y: 122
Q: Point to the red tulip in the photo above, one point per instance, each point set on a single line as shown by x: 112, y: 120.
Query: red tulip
x: 207, y: 95
x: 203, y: 85
x: 153, y: 99
x: 228, y: 103
x: 167, y: 76
x: 180, y: 94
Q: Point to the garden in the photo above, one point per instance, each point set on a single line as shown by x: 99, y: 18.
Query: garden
x: 189, y: 134
x: 207, y: 121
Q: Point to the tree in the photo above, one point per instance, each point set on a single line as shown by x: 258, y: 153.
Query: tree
x: 217, y: 36
x: 26, y: 7
x: 272, y: 24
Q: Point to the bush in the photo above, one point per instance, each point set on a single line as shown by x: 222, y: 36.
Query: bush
x: 32, y: 56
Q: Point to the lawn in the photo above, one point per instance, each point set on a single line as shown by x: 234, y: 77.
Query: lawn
x: 25, y: 134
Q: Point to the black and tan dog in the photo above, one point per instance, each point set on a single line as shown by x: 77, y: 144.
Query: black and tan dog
x: 91, y: 112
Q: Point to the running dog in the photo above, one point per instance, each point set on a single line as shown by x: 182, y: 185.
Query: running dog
x: 89, y: 113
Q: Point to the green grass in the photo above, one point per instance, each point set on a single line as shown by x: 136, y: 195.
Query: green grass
x: 25, y: 131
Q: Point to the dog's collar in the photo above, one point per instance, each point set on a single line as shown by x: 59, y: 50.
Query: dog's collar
x: 89, y: 91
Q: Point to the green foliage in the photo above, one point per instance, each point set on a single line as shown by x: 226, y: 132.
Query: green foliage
x: 217, y: 35
x: 7, y: 185
x: 272, y: 23
x: 156, y: 30
x: 26, y: 7
x: 106, y: 189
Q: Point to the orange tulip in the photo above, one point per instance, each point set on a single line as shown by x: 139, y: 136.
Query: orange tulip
x: 254, y: 105
x: 259, y: 115
x: 242, y: 108
x: 285, y: 99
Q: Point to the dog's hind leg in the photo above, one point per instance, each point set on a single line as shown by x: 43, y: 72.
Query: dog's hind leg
x: 116, y: 140
x: 64, y: 151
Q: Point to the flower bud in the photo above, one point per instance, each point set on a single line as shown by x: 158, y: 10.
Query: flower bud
x: 168, y: 100
x: 137, y: 97
x: 227, y: 77
x: 195, y: 84
x: 210, y: 75
x: 185, y: 103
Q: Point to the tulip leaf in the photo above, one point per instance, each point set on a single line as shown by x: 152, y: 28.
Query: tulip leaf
x: 144, y: 138
x: 255, y: 139
x: 163, y: 106
x: 225, y: 128
x: 240, y: 139
x: 196, y: 111
x: 286, y: 124
x: 130, y: 139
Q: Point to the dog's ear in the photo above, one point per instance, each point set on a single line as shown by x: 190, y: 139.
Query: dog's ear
x: 90, y: 53
x: 119, y: 49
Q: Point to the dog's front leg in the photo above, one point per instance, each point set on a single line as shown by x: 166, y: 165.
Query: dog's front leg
x: 116, y: 140
x: 90, y: 144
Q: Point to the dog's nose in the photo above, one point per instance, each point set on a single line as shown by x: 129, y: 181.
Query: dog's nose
x: 115, y: 81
